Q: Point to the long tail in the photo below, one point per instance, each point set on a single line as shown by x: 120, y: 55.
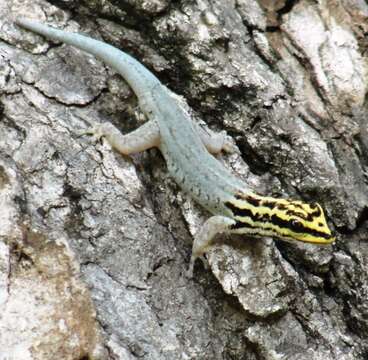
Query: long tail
x: 137, y: 76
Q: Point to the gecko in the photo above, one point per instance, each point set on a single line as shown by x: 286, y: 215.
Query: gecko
x: 189, y: 154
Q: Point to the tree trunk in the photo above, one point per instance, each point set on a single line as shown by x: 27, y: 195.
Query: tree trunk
x: 94, y: 246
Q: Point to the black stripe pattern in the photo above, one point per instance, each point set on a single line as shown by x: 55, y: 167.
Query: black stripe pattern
x: 298, y: 217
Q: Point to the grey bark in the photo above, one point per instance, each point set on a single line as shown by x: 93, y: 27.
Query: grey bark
x: 94, y: 246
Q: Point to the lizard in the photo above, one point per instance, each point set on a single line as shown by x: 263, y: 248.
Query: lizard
x: 189, y: 154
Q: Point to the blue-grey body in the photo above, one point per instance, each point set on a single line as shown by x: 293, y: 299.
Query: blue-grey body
x: 194, y: 169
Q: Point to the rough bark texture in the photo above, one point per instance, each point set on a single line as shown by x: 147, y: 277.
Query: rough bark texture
x: 93, y: 246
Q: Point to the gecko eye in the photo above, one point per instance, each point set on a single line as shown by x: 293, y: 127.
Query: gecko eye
x: 296, y: 223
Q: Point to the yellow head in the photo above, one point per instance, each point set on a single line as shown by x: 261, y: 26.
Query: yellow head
x: 280, y: 218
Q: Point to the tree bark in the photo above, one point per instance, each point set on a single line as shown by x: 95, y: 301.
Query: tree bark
x: 94, y: 246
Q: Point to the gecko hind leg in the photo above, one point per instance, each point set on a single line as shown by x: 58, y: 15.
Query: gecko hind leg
x: 202, y: 241
x: 215, y: 142
x: 143, y: 138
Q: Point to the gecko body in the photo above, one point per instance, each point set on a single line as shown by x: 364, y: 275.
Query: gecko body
x: 187, y: 149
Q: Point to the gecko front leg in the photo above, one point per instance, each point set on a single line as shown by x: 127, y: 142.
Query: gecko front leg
x: 143, y: 138
x: 202, y: 241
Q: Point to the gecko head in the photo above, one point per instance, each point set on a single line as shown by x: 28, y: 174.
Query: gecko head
x: 296, y: 220
x: 288, y: 220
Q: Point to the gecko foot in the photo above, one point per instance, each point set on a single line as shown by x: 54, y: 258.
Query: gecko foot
x: 189, y: 272
x: 228, y: 145
x: 98, y: 131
